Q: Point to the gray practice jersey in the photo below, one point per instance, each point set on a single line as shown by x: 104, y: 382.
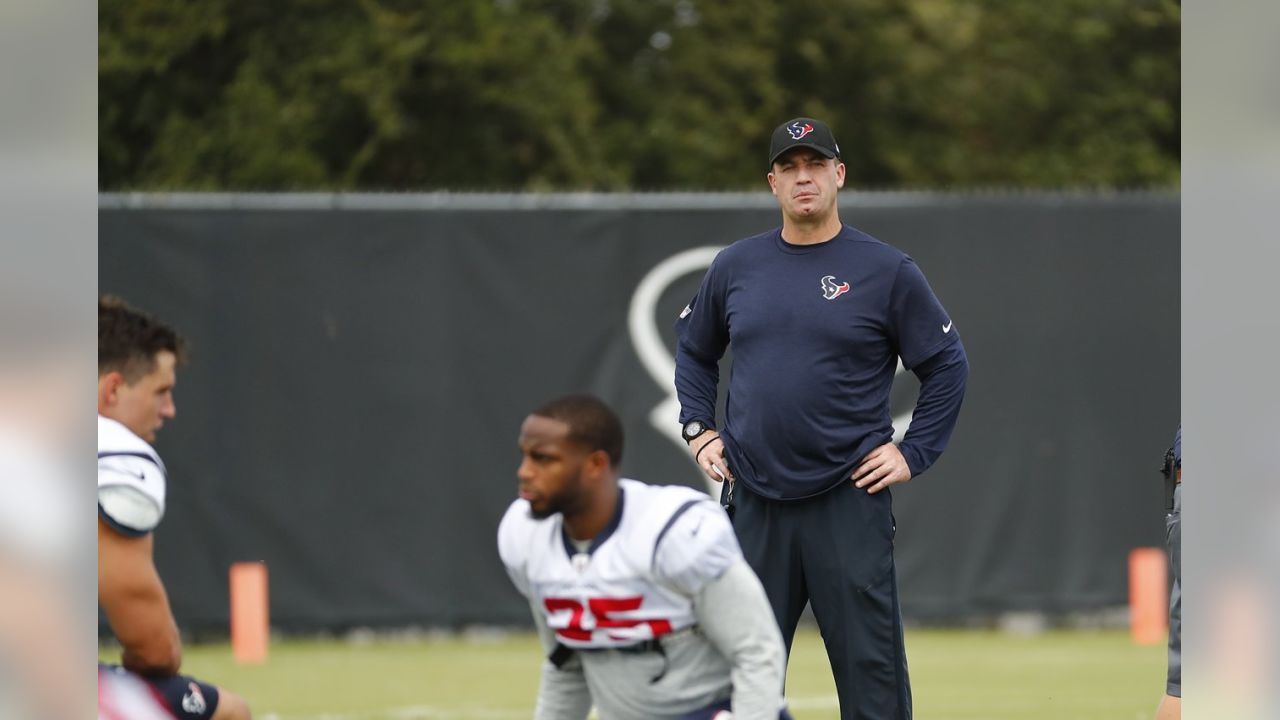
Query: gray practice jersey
x: 670, y: 571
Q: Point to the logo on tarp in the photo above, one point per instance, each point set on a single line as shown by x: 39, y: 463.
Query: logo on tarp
x: 798, y: 131
x: 830, y: 290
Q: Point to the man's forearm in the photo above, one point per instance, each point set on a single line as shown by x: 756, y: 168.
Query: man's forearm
x: 696, y: 382
x: 562, y: 695
x: 149, y: 637
x: 942, y: 384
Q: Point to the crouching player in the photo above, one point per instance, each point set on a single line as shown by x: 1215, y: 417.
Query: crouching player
x: 640, y: 593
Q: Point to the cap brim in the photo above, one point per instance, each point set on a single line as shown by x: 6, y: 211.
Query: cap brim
x: 825, y: 152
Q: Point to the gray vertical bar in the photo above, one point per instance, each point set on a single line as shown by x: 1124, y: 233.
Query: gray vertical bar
x: 1231, y: 337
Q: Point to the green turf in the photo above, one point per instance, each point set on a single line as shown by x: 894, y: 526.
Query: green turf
x: 956, y: 675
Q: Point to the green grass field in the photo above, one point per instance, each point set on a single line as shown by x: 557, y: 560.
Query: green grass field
x: 956, y: 675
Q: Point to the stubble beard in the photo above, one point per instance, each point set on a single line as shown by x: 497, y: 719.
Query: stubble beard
x: 567, y: 500
x: 820, y: 216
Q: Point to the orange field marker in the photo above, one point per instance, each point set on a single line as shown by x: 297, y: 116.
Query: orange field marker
x: 1148, y: 595
x: 250, y: 621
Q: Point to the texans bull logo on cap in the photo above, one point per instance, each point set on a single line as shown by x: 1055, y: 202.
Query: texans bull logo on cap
x: 798, y: 131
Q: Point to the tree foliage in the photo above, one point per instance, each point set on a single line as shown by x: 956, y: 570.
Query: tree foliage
x: 633, y: 94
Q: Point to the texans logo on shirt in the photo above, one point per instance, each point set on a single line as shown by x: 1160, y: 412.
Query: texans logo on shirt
x: 830, y: 290
x: 798, y: 131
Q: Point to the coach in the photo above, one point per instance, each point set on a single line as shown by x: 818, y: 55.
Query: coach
x: 818, y: 314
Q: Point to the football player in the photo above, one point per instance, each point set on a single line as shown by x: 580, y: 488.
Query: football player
x: 137, y: 361
x: 640, y: 593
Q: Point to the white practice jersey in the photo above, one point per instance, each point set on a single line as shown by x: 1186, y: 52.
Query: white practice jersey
x: 636, y: 581
x: 131, y: 480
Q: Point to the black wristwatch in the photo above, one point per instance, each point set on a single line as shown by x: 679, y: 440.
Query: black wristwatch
x: 693, y: 429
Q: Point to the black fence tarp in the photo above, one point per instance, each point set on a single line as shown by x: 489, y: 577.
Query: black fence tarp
x: 358, y: 377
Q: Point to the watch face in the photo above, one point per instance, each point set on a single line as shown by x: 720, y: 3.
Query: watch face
x: 693, y: 429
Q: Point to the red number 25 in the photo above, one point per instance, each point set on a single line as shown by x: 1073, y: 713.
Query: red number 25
x: 603, y: 609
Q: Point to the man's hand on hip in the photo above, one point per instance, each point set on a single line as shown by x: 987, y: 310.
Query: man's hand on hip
x: 881, y: 468
x: 708, y: 452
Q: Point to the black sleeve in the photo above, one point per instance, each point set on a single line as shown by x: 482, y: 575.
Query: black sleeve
x: 942, y: 383
x: 702, y: 336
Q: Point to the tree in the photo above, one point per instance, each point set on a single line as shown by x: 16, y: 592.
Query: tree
x: 632, y: 94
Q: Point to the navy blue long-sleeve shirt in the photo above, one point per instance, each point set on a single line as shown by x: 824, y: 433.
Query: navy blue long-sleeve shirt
x: 817, y: 331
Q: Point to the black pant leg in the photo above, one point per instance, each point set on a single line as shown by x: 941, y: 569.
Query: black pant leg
x: 768, y: 538
x: 847, y: 548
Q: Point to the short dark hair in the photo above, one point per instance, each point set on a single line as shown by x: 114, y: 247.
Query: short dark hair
x: 129, y: 339
x: 591, y: 422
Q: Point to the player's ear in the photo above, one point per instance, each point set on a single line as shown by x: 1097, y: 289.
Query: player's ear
x: 598, y: 462
x: 773, y: 183
x: 840, y: 170
x: 109, y: 388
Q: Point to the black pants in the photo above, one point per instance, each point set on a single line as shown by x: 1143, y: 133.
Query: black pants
x: 185, y: 697
x: 835, y: 551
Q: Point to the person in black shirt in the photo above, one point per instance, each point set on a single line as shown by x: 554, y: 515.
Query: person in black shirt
x: 818, y: 315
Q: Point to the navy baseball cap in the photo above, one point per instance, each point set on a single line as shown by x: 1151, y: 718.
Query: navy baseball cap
x: 803, y: 132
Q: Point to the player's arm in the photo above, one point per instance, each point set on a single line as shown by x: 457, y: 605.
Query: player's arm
x: 135, y: 603
x: 562, y: 692
x: 734, y: 614
x: 699, y: 556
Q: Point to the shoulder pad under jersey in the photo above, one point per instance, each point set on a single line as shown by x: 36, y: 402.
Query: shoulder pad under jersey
x: 131, y: 480
x: 695, y: 546
x: 515, y: 533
